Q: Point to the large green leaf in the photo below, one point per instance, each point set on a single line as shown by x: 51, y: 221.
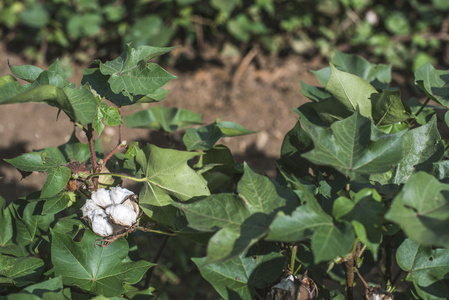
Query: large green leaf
x: 366, y: 213
x: 132, y: 73
x: 353, y: 146
x: 422, y: 210
x: 329, y: 239
x: 240, y: 224
x: 163, y: 119
x: 99, y: 270
x: 205, y: 137
x: 435, y: 83
x: 240, y: 276
x: 20, y: 271
x: 427, y: 268
x: 351, y: 91
x: 167, y: 175
x: 422, y: 147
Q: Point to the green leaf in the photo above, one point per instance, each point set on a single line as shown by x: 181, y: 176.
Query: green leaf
x: 205, y: 137
x: 314, y: 93
x: 163, y: 119
x: 329, y: 239
x: 365, y: 212
x: 378, y: 75
x: 84, y: 104
x: 75, y: 150
x: 167, y: 175
x: 6, y: 229
x: 20, y: 271
x: 48, y: 289
x: 240, y: 224
x: 389, y: 109
x: 422, y: 147
x: 99, y: 83
x: 351, y: 91
x: 133, y: 74
x: 353, y: 146
x: 257, y: 268
x: 435, y: 83
x: 422, y: 210
x: 55, y: 204
x: 99, y: 270
x: 296, y: 142
x: 27, y: 72
x: 29, y: 162
x: 57, y: 179
x: 427, y: 268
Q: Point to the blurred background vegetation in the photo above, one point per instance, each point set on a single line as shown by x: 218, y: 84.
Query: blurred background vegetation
x: 405, y: 33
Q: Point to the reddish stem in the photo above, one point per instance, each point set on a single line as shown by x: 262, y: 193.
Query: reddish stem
x: 93, y: 157
x: 112, y: 153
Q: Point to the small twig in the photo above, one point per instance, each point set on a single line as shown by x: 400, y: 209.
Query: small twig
x: 120, y: 145
x: 93, y: 157
x: 361, y: 278
x: 155, y: 260
x: 242, y: 67
x: 423, y: 106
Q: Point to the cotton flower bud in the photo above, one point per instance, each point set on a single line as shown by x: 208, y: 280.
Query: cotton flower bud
x: 122, y: 214
x: 118, y: 194
x: 102, y: 198
x: 100, y: 223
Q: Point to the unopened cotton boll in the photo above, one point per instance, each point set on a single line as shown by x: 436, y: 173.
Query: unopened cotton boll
x: 88, y: 208
x: 119, y: 194
x: 100, y: 223
x: 122, y: 214
x: 102, y: 198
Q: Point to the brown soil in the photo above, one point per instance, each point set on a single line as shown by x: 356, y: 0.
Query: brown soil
x: 258, y: 93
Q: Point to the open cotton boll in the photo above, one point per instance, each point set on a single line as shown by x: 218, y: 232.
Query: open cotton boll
x: 119, y: 194
x: 89, y: 208
x: 102, y: 198
x: 132, y: 204
x: 100, y: 223
x: 122, y: 214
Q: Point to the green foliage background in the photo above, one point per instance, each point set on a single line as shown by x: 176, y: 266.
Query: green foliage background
x: 405, y: 33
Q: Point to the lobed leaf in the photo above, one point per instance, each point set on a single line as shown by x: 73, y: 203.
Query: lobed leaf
x: 435, y: 83
x: 95, y: 269
x: 427, y: 268
x: 421, y: 209
x: 353, y: 146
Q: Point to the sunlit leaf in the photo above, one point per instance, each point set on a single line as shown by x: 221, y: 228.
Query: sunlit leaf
x: 99, y: 270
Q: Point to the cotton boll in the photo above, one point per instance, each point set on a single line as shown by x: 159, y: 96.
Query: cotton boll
x: 102, y: 198
x: 122, y: 214
x: 118, y: 194
x: 89, y: 208
x: 101, y: 224
x: 132, y: 204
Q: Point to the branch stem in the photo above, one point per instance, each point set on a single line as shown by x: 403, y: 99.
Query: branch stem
x: 350, y: 276
x: 422, y: 106
x: 93, y: 175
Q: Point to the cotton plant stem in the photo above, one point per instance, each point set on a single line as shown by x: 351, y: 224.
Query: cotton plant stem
x: 422, y: 106
x: 155, y: 260
x: 93, y: 157
x: 350, y: 277
x: 94, y: 175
